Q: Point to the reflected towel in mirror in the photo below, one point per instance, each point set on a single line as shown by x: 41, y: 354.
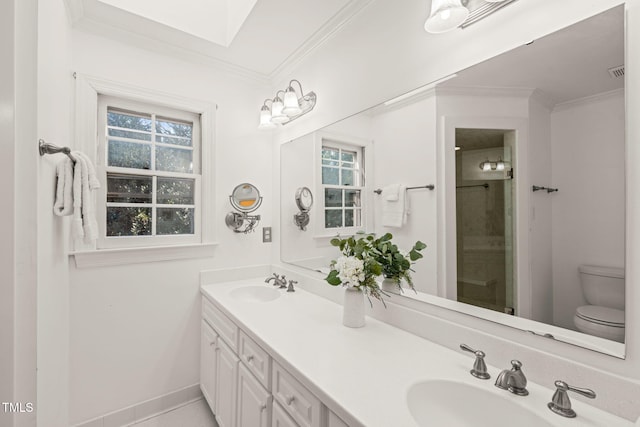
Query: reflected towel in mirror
x: 394, y: 205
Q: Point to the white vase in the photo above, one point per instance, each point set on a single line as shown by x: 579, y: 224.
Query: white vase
x: 353, y: 308
x: 390, y: 286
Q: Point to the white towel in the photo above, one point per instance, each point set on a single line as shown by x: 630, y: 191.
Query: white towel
x: 84, y: 224
x: 63, y: 204
x: 394, y: 205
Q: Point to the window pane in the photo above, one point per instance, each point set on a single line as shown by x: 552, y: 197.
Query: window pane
x: 174, y: 128
x: 330, y: 176
x: 129, y: 188
x: 128, y: 221
x: 175, y: 191
x: 332, y: 218
x: 348, y: 156
x: 352, y: 198
x: 347, y: 177
x: 173, y: 140
x: 174, y: 221
x: 352, y: 218
x: 128, y: 121
x: 174, y: 160
x: 129, y: 155
x: 330, y: 156
x: 130, y: 134
x: 332, y: 198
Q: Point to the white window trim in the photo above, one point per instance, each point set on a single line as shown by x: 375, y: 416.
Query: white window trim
x: 346, y: 141
x: 86, y: 130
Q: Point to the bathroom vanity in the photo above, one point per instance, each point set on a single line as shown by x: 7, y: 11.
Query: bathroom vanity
x: 276, y: 358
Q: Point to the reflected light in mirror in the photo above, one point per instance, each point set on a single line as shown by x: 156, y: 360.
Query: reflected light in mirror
x: 445, y: 16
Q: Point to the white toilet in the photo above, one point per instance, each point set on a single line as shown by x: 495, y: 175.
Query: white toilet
x: 603, y: 288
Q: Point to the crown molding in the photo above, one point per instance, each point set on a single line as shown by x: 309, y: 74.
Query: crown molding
x: 98, y: 18
x: 588, y: 100
x: 324, y: 33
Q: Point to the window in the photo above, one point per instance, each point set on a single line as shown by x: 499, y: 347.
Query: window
x: 150, y: 158
x: 342, y: 185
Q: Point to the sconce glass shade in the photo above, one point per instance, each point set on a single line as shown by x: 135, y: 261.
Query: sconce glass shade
x: 445, y: 15
x: 500, y: 165
x: 291, y: 105
x: 265, y: 118
x: 277, y: 116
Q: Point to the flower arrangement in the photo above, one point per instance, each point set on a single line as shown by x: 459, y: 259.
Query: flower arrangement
x: 364, y: 258
x: 357, y: 267
x: 395, y: 264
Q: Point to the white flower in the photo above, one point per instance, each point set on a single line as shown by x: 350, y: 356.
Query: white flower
x: 350, y: 270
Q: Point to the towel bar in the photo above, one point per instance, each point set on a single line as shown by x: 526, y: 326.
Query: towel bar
x: 430, y: 187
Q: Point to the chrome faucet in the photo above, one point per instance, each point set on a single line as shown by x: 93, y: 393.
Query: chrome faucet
x: 281, y: 282
x: 513, y: 379
x: 560, y: 403
x: 479, y: 367
x: 290, y: 287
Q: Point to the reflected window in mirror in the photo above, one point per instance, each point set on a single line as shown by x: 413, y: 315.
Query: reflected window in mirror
x: 342, y: 174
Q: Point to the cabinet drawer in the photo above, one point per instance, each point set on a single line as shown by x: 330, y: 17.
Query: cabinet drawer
x: 255, y: 359
x: 299, y: 402
x: 227, y: 330
x: 281, y: 418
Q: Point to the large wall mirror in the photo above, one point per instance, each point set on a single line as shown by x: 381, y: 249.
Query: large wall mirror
x: 526, y: 223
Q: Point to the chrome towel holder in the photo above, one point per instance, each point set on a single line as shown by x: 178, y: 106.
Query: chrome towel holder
x: 549, y: 190
x: 430, y: 187
x: 46, y: 148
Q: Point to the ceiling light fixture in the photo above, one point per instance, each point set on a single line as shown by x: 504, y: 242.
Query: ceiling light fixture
x: 287, y: 108
x: 447, y: 15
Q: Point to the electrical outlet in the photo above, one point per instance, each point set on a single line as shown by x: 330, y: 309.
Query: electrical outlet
x: 266, y: 234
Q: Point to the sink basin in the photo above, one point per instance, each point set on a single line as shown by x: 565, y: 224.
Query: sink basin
x: 457, y: 404
x: 255, y: 293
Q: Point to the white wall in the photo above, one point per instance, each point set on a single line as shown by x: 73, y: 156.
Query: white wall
x: 116, y: 336
x: 589, y: 136
x: 405, y: 153
x: 17, y: 232
x: 540, y: 161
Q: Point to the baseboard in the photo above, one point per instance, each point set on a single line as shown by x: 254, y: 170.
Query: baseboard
x: 147, y: 409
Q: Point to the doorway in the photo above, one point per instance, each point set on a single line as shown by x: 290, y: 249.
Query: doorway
x: 485, y: 236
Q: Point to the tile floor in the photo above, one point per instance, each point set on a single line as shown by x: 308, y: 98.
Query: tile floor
x: 195, y: 414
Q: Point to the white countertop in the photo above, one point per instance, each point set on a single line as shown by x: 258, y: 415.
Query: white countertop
x: 364, y: 374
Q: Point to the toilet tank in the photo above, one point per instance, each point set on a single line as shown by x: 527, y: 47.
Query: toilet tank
x: 603, y: 286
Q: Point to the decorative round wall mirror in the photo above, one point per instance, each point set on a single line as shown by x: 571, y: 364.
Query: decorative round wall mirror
x: 304, y: 200
x: 245, y: 198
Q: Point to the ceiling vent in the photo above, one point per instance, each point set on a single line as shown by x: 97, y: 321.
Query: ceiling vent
x: 616, y: 72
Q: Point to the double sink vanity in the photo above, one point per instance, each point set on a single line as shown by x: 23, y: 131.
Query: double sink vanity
x: 275, y: 358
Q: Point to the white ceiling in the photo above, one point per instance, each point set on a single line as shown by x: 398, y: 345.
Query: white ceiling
x: 567, y: 65
x: 273, y: 36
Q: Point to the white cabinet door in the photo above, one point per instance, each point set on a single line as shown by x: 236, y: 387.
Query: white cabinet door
x: 254, y: 401
x: 208, y: 346
x: 281, y: 418
x: 227, y: 372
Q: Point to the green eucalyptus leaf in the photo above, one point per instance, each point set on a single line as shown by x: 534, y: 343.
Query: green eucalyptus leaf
x: 419, y: 246
x: 333, y: 278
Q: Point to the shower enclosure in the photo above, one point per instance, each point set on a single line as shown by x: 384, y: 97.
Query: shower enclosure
x: 484, y: 218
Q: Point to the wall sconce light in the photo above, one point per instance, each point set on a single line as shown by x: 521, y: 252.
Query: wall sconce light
x: 287, y: 108
x: 447, y: 15
x: 488, y: 165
